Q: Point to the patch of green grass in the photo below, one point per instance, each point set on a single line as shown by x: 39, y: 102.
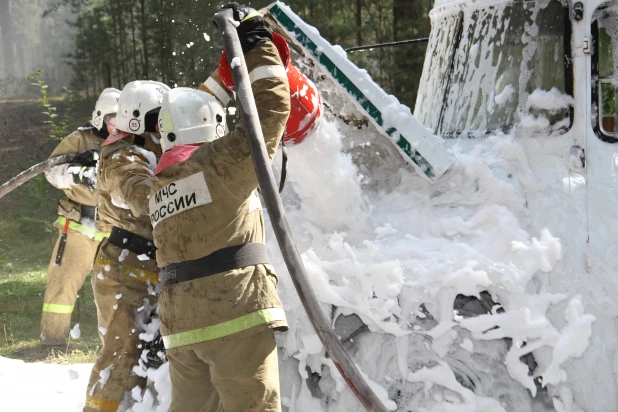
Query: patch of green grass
x: 74, y: 355
x: 26, y: 242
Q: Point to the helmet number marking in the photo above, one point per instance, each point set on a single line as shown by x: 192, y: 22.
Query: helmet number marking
x: 220, y: 130
x: 134, y: 125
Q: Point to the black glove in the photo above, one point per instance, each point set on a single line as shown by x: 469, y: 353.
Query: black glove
x: 88, y: 158
x: 251, y: 29
x: 156, y: 355
x: 84, y: 175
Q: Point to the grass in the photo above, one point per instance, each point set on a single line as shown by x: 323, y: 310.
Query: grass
x: 27, y: 238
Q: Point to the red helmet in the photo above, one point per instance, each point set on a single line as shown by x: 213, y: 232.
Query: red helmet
x: 306, y: 104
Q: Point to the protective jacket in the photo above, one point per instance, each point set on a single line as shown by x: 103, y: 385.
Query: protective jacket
x: 124, y: 184
x: 209, y: 202
x: 68, y: 270
x: 84, y: 138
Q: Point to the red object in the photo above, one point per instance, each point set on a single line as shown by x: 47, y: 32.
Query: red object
x: 66, y: 226
x: 175, y: 155
x: 306, y: 104
x: 113, y: 138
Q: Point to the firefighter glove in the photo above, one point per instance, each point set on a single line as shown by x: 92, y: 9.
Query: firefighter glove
x: 84, y: 175
x: 88, y: 158
x: 250, y: 26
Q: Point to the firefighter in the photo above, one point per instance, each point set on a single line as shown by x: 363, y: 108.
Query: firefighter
x: 125, y: 266
x: 80, y: 232
x: 219, y: 305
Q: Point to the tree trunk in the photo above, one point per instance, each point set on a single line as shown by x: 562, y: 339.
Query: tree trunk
x: 114, y: 53
x: 133, y: 40
x: 144, y: 39
x: 19, y: 52
x: 359, y: 23
x: 162, y: 29
x: 7, y: 37
x: 107, y: 75
x: 122, y: 37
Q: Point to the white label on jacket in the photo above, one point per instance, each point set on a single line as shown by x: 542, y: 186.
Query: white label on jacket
x: 179, y: 196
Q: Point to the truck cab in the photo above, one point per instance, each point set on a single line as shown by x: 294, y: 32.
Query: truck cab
x: 543, y: 74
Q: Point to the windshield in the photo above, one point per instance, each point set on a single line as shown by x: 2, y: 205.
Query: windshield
x: 481, y: 81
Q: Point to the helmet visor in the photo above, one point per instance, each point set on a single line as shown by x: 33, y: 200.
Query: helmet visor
x: 110, y: 120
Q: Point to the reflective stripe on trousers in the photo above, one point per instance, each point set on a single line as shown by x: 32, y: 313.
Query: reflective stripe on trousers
x: 221, y: 330
x: 101, y: 404
x: 84, y: 230
x: 56, y: 308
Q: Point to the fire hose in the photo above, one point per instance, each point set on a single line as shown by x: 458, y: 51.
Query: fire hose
x: 293, y: 261
x: 35, y: 170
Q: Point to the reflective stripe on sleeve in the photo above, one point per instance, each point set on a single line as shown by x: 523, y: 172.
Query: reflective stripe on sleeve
x: 220, y: 93
x: 55, y: 308
x: 224, y: 329
x: 102, y: 404
x: 84, y: 230
x: 267, y: 72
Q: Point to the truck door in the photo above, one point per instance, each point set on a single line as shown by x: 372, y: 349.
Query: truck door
x: 602, y: 145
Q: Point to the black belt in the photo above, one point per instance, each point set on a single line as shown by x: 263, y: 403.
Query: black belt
x: 223, y: 260
x: 89, y: 211
x: 134, y: 243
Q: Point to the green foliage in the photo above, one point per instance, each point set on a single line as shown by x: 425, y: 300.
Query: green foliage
x: 26, y: 243
x: 175, y: 42
x: 58, y: 124
x: 609, y: 99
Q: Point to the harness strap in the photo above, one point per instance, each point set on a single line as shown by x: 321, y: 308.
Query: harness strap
x: 134, y: 243
x: 223, y: 260
x: 89, y: 211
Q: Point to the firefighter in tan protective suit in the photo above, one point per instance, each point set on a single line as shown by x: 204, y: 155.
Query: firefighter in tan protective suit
x: 219, y: 304
x: 80, y: 232
x: 125, y: 266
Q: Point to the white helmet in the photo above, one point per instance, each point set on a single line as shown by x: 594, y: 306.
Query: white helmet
x: 190, y: 116
x: 136, y: 101
x: 106, y: 104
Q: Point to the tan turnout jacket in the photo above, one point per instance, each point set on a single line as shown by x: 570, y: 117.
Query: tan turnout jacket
x: 210, y: 202
x: 79, y: 141
x: 124, y: 183
x: 125, y: 169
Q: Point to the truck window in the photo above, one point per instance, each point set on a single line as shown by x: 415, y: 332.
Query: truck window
x: 511, y: 64
x: 605, y: 73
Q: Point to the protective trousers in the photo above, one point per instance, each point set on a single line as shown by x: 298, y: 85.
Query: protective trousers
x: 121, y: 295
x: 229, y: 374
x: 63, y: 284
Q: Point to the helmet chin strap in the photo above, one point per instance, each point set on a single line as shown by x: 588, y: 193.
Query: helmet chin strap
x: 155, y: 138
